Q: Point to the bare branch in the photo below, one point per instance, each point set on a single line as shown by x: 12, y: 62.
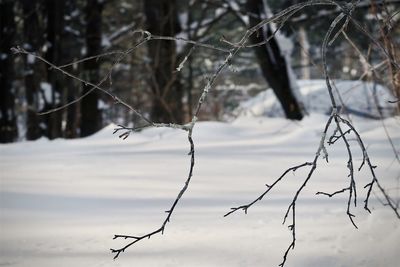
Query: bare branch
x: 337, y: 27
x: 169, y: 212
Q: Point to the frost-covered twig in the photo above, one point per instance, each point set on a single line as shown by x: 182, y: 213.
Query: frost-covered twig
x: 117, y: 100
x: 230, y: 53
x: 209, y: 83
x: 338, y: 133
x: 169, y: 212
x: 245, y: 207
x: 371, y: 167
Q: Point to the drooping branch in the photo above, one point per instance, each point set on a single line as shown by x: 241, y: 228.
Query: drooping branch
x: 390, y: 202
x: 245, y: 207
x: 169, y: 212
x: 209, y: 83
x: 337, y: 26
x: 338, y: 133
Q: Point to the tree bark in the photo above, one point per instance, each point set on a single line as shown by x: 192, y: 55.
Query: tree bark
x: 8, y: 121
x: 32, y: 40
x: 55, y: 27
x: 162, y: 19
x: 304, y: 54
x: 272, y: 63
x: 91, y: 115
x: 70, y: 53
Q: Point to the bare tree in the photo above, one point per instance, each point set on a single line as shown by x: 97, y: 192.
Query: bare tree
x: 336, y: 128
x: 55, y: 26
x: 272, y: 62
x: 32, y: 36
x: 8, y: 120
x: 91, y: 118
x: 166, y: 87
x: 70, y: 53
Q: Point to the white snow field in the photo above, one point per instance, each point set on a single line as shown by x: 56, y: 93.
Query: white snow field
x: 63, y: 200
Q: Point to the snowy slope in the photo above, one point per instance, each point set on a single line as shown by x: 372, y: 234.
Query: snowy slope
x: 62, y: 201
x: 355, y: 97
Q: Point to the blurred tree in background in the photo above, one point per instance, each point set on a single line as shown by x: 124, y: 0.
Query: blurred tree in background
x: 8, y: 116
x: 150, y: 78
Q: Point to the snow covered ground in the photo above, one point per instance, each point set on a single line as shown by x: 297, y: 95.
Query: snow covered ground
x: 62, y: 201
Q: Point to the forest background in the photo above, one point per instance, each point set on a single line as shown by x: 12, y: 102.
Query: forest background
x: 150, y: 78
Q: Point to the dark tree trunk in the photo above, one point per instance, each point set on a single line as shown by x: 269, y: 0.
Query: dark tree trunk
x: 162, y: 19
x: 71, y: 52
x: 55, y: 19
x: 91, y: 116
x: 272, y: 63
x: 32, y: 40
x: 8, y: 125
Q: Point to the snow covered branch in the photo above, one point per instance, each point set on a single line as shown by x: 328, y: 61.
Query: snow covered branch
x: 343, y: 128
x: 338, y: 133
x: 169, y: 212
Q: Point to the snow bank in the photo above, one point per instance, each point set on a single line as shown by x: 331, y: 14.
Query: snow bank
x: 62, y: 201
x: 355, y: 97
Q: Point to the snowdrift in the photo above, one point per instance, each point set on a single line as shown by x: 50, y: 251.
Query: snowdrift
x: 62, y: 201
